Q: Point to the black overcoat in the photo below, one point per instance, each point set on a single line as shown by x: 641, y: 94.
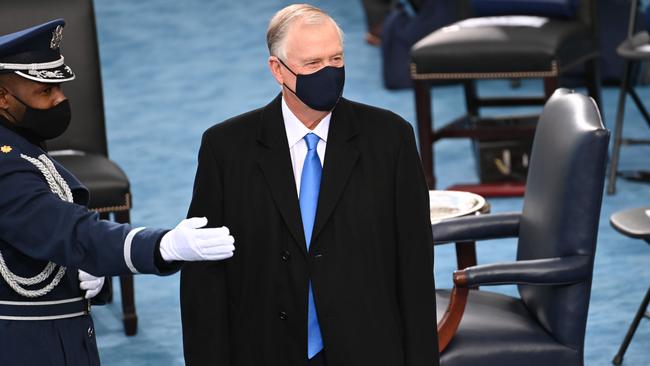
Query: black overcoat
x: 370, y: 259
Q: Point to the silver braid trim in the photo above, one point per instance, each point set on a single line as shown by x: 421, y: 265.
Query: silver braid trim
x: 30, y: 281
x: 59, y: 187
x: 10, y: 277
x: 59, y: 179
x: 51, y: 175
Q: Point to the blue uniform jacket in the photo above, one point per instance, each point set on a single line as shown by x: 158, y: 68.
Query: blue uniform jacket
x: 36, y: 227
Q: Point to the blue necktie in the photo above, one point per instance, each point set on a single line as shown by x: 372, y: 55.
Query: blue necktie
x: 309, y: 188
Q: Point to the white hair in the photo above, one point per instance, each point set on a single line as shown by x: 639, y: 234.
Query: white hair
x: 283, y: 19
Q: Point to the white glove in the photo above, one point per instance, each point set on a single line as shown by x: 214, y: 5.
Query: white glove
x: 188, y: 242
x: 90, y: 283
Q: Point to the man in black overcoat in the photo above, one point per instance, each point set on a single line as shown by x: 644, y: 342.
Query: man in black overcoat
x: 328, y: 202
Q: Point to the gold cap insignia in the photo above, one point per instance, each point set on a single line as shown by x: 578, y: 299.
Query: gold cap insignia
x: 57, y: 37
x: 6, y: 149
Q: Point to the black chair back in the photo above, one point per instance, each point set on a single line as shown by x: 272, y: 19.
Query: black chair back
x: 562, y: 208
x: 586, y: 11
x: 79, y: 47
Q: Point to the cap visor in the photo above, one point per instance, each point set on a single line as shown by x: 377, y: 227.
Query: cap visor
x: 58, y: 74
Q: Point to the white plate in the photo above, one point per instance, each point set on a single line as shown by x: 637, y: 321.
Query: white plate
x: 448, y: 204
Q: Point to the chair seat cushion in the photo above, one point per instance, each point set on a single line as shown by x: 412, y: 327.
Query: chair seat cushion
x: 498, y: 330
x: 508, y: 44
x: 633, y: 222
x: 108, y: 185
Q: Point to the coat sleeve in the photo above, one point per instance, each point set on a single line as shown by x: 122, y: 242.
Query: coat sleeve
x: 39, y: 224
x: 416, y: 288
x: 203, y: 295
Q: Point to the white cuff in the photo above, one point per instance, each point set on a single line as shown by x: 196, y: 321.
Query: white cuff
x: 127, y: 248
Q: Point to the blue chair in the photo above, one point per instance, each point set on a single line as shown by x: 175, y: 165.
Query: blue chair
x: 556, y: 235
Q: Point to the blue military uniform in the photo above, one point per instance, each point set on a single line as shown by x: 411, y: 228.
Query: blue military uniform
x: 47, y: 233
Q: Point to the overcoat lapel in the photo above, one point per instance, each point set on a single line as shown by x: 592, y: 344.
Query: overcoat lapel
x: 341, y: 156
x: 275, y: 162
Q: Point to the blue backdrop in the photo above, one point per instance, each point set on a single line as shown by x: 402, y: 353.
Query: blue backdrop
x: 172, y: 68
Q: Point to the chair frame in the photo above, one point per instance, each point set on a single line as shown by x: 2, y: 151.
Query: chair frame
x: 464, y: 232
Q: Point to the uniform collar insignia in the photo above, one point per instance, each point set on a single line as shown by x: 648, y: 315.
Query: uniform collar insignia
x: 57, y: 37
x: 6, y: 149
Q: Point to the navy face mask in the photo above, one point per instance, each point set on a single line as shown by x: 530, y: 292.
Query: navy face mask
x: 320, y: 90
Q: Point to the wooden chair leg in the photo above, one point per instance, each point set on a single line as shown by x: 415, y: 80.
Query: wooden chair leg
x: 127, y: 290
x: 550, y: 85
x: 471, y: 98
x: 618, y: 129
x: 465, y: 254
x: 424, y: 124
x: 108, y: 282
x: 128, y: 305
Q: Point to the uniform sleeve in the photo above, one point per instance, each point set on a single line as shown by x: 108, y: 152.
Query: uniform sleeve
x: 39, y: 224
x: 204, y: 300
x: 416, y: 288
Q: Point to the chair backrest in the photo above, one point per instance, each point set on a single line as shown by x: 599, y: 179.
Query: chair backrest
x: 564, y: 190
x: 79, y: 47
x: 586, y: 12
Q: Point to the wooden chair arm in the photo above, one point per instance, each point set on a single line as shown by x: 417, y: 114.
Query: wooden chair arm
x: 448, y: 325
x: 453, y: 314
x: 465, y: 257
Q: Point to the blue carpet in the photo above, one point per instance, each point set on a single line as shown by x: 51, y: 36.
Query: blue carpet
x: 173, y: 68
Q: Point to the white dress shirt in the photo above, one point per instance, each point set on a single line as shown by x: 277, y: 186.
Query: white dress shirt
x: 296, y: 132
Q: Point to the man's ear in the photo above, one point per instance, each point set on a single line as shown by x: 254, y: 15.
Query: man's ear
x: 274, y: 66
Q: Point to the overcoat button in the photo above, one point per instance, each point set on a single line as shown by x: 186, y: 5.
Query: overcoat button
x: 282, y: 315
x: 286, y: 255
x: 91, y: 331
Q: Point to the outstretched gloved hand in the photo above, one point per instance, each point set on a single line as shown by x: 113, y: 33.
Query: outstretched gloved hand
x: 90, y: 283
x: 190, y: 241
